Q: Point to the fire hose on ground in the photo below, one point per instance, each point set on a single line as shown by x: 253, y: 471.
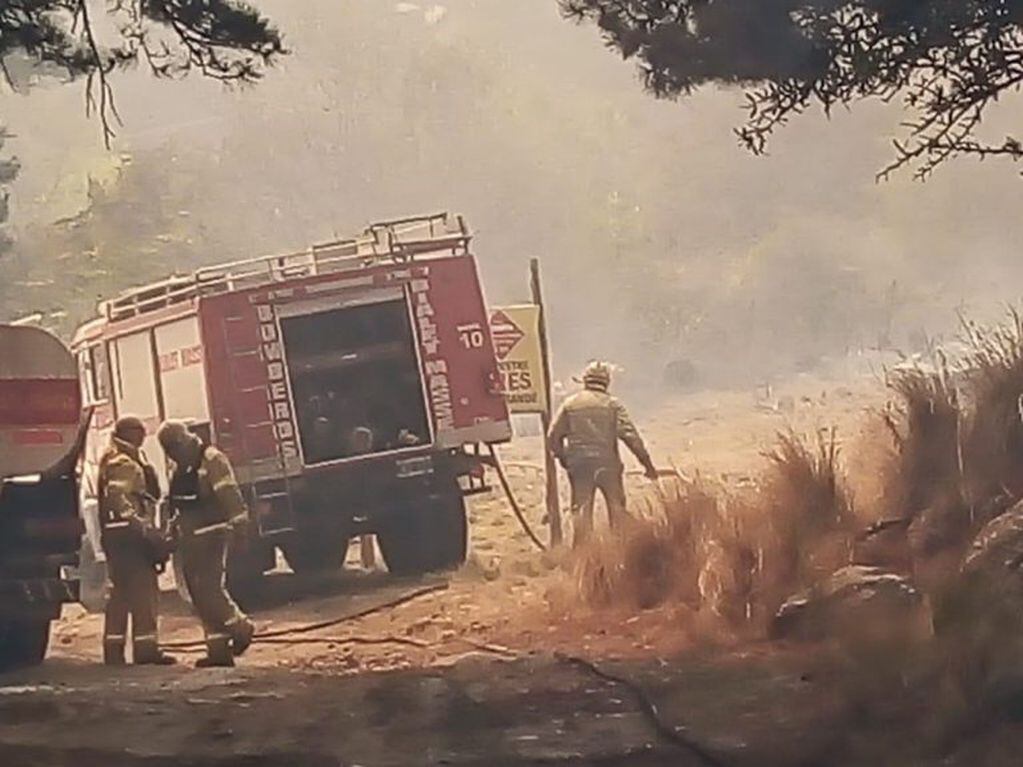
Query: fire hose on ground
x: 674, y: 735
x: 306, y: 628
x: 516, y: 509
x: 287, y: 634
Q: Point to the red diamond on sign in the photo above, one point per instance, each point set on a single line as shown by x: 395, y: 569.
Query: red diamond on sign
x: 506, y: 334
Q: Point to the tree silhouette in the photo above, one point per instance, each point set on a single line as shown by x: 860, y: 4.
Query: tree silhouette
x: 9, y: 168
x: 948, y: 61
x: 223, y: 39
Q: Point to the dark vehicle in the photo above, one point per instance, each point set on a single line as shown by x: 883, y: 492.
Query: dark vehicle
x: 42, y: 432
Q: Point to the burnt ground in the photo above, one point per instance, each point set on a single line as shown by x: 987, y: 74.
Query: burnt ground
x: 474, y: 671
x: 534, y: 711
x: 755, y: 709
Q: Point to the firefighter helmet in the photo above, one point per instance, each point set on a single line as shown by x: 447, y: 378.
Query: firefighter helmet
x: 597, y: 376
x: 130, y: 429
x: 174, y: 434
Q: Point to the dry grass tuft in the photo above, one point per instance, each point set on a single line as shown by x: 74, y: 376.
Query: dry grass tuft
x: 958, y: 448
x: 654, y: 559
x: 808, y: 514
x: 993, y: 444
x: 926, y: 430
x: 732, y: 559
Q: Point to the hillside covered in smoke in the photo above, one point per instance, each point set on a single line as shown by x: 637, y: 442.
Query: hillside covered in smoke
x: 660, y: 238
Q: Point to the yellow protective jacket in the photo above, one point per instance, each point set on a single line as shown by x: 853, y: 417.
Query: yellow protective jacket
x: 207, y: 496
x: 587, y: 428
x: 126, y: 498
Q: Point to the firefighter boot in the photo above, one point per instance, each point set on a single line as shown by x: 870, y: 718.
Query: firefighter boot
x: 218, y: 653
x: 113, y: 651
x: 243, y: 633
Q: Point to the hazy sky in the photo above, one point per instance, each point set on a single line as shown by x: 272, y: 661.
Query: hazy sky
x: 659, y: 237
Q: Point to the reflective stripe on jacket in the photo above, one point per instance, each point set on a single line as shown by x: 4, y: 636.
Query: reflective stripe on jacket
x: 123, y: 488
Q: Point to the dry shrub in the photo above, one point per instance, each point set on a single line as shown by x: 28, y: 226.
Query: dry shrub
x: 993, y: 445
x: 731, y: 558
x: 926, y: 428
x: 807, y: 511
x: 958, y: 448
x: 652, y: 559
x: 957, y: 468
x: 922, y: 506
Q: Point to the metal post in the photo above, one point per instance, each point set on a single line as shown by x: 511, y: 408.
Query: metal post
x: 553, y: 501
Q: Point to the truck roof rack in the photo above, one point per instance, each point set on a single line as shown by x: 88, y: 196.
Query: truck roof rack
x: 397, y: 241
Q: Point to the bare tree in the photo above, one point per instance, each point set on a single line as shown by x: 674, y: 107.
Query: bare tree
x: 948, y: 61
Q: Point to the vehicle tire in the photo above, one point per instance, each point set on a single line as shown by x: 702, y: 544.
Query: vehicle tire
x: 23, y: 643
x: 434, y: 537
x: 246, y: 566
x: 310, y: 553
x: 451, y: 534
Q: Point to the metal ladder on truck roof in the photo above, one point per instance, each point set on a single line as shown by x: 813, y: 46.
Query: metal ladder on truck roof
x: 271, y: 497
x: 394, y: 241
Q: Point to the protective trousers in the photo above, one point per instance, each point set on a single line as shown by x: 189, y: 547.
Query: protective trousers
x: 134, y: 592
x: 585, y: 481
x: 204, y: 562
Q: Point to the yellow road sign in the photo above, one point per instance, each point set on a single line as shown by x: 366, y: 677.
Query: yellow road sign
x: 516, y: 334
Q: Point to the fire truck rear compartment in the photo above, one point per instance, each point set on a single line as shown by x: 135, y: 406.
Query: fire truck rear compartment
x: 355, y: 380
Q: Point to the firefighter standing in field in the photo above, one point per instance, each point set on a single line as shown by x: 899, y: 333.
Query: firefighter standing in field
x: 128, y: 493
x: 584, y: 438
x: 210, y: 510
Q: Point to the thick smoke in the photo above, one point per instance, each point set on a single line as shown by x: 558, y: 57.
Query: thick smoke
x: 660, y: 240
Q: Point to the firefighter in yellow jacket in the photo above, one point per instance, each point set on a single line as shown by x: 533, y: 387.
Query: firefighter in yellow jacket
x: 584, y: 438
x: 210, y: 510
x: 128, y: 492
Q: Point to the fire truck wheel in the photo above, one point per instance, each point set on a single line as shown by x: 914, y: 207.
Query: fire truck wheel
x: 308, y: 554
x: 423, y: 540
x: 451, y: 534
x: 23, y: 643
x: 245, y: 568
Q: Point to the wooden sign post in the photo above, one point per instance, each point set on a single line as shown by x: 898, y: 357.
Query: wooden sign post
x: 550, y: 466
x: 519, y: 333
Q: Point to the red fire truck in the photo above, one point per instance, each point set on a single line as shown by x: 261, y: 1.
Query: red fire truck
x: 353, y: 386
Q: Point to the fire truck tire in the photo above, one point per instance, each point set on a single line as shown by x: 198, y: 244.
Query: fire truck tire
x: 426, y: 539
x: 244, y: 577
x: 245, y: 568
x: 451, y: 534
x: 23, y: 643
x: 309, y: 554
